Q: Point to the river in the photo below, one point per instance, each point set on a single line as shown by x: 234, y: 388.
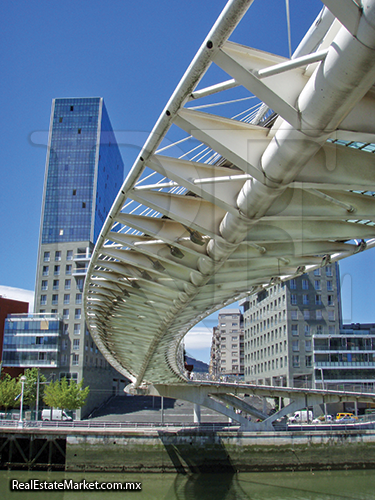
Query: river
x: 318, y: 485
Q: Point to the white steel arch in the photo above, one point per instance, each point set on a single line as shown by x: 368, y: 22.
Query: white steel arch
x: 272, y: 197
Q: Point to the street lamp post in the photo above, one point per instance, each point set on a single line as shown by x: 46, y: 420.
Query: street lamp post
x: 23, y: 380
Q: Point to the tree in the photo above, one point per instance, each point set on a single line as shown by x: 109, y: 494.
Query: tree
x: 64, y: 395
x: 31, y: 384
x: 10, y: 388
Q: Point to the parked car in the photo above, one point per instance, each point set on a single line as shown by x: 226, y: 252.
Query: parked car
x: 346, y: 419
x: 323, y: 419
x: 339, y: 416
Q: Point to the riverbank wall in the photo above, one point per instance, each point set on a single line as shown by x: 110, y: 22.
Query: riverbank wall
x: 181, y: 450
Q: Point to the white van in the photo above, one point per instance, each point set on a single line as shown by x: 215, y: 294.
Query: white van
x: 300, y: 417
x: 55, y: 414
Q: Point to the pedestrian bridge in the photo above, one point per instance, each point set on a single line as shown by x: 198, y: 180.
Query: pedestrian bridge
x: 262, y: 195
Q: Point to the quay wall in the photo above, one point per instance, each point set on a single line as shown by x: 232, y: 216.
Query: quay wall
x: 159, y: 450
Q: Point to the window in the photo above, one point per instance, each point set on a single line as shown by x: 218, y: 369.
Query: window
x: 68, y: 269
x: 317, y: 284
x: 293, y: 314
x: 331, y: 315
x: 66, y: 298
x: 76, y: 344
x: 66, y: 327
x: 58, y: 255
x: 294, y: 329
x: 75, y: 359
x: 77, y: 314
x: 319, y: 329
x: 77, y: 328
x: 43, y: 300
x: 329, y: 286
x: 330, y: 300
x: 78, y: 298
x: 318, y: 300
x: 56, y: 270
x: 293, y: 284
x: 69, y: 255
x: 295, y: 361
x: 295, y: 345
x: 307, y: 330
x: 66, y: 314
x: 308, y: 361
x: 55, y: 299
x: 307, y: 345
x: 67, y: 284
x: 55, y: 284
x: 319, y: 314
x: 305, y: 299
x: 305, y: 284
x: 45, y: 270
x: 306, y: 314
x: 46, y: 257
x: 331, y: 329
x: 317, y: 272
x: 329, y: 271
x: 80, y: 282
x: 293, y: 299
x: 44, y: 285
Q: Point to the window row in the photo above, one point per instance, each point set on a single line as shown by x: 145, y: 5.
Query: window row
x: 307, y: 314
x: 47, y: 255
x: 55, y: 299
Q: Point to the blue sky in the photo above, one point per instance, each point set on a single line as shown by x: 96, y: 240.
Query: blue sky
x: 132, y: 54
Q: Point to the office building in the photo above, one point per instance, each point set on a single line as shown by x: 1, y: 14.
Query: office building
x: 84, y: 171
x: 279, y: 324
x: 345, y: 360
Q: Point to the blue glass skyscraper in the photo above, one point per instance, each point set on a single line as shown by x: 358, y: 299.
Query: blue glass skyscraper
x: 84, y: 171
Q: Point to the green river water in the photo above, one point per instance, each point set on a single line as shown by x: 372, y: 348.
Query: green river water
x: 320, y: 485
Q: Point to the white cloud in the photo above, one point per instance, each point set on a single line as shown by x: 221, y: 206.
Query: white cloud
x: 9, y: 292
x: 199, y: 337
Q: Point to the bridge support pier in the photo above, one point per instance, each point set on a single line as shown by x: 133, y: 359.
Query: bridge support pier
x: 197, y: 413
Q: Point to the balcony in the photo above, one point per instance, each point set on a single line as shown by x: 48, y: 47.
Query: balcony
x: 340, y: 364
x: 84, y: 256
x: 80, y: 271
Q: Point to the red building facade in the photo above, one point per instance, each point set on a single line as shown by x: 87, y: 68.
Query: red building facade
x: 10, y: 306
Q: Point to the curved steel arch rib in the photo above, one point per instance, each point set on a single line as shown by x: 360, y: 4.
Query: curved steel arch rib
x: 273, y: 195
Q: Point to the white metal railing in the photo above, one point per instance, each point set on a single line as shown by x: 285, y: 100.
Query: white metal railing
x: 90, y: 424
